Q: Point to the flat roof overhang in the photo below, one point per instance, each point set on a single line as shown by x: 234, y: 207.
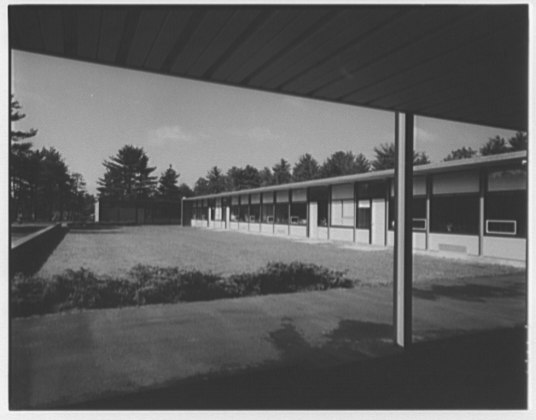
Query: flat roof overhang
x: 464, y: 63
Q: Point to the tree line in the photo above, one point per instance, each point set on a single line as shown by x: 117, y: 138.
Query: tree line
x: 128, y: 176
x: 306, y: 168
x: 339, y: 163
x: 494, y: 146
x: 42, y: 186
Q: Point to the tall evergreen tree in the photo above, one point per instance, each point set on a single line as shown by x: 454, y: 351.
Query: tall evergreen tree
x: 167, y: 185
x: 22, y: 162
x: 344, y: 163
x: 306, y: 168
x: 266, y: 177
x: 216, y: 180
x: 128, y: 175
x: 281, y: 172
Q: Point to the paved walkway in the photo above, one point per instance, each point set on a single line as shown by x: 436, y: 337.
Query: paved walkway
x: 69, y: 358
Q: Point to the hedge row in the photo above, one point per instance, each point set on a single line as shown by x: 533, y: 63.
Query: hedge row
x: 82, y: 289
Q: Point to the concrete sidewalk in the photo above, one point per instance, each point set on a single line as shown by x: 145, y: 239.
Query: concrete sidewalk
x: 70, y: 358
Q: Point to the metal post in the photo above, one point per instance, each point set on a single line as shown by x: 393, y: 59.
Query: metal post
x: 481, y: 215
x: 403, y: 251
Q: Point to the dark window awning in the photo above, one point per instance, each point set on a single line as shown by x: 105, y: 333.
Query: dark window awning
x: 462, y: 63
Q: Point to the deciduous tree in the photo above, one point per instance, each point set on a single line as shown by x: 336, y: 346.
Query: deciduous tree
x: 386, y: 157
x: 344, y: 163
x: 461, y: 153
x: 494, y: 146
x: 519, y: 141
x: 306, y: 168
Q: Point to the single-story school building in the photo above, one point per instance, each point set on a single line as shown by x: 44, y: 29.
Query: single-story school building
x: 476, y: 206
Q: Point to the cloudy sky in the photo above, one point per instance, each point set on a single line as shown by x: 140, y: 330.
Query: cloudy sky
x: 88, y: 112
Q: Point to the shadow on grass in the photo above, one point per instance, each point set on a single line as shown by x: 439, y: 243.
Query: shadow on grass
x: 470, y: 292
x: 29, y: 257
x: 485, y: 370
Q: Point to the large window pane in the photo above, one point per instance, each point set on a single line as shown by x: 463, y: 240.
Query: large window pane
x: 267, y: 213
x: 322, y: 213
x: 506, y: 213
x: 363, y: 214
x: 342, y: 213
x: 454, y: 214
x: 281, y: 213
x: 243, y: 214
x: 235, y: 211
x: 254, y: 213
x: 298, y: 213
x: 507, y: 180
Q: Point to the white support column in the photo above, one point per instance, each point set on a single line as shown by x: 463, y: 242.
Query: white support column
x: 403, y: 251
x: 481, y: 215
x: 97, y: 211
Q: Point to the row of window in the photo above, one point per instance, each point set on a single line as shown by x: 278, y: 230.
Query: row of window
x: 454, y: 205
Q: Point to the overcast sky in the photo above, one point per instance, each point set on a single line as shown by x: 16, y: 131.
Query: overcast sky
x: 88, y: 112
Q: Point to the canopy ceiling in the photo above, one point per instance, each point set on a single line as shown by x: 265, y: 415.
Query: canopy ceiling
x: 463, y: 63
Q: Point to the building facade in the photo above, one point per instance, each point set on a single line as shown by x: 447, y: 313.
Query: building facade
x: 475, y: 206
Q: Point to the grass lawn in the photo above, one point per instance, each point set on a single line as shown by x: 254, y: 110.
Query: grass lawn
x: 113, y: 251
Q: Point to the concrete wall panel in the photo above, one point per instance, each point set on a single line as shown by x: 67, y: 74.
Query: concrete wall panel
x: 509, y: 248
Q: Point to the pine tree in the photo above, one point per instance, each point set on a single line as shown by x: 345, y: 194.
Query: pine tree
x: 281, y: 172
x: 167, y: 185
x: 128, y: 175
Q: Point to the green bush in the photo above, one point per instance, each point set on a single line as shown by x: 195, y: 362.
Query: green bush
x: 82, y: 289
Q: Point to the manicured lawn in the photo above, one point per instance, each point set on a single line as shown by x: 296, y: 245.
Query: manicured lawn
x: 116, y: 250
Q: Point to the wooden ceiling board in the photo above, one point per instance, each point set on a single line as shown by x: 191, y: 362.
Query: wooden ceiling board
x: 205, y: 33
x: 274, y: 24
x: 113, y: 21
x: 285, y: 39
x: 149, y: 26
x: 88, y: 22
x: 405, y: 53
x: 28, y: 28
x: 52, y: 28
x: 173, y: 27
x: 337, y: 35
x: 333, y: 68
x: 237, y: 24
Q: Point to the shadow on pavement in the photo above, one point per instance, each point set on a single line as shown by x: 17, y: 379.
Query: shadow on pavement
x: 485, y: 370
x: 470, y: 292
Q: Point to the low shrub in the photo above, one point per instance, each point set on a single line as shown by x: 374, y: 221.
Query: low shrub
x: 143, y: 284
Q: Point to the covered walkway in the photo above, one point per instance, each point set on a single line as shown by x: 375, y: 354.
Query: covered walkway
x: 106, y: 358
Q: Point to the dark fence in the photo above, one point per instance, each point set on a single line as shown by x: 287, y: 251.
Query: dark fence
x: 140, y: 211
x: 29, y: 253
